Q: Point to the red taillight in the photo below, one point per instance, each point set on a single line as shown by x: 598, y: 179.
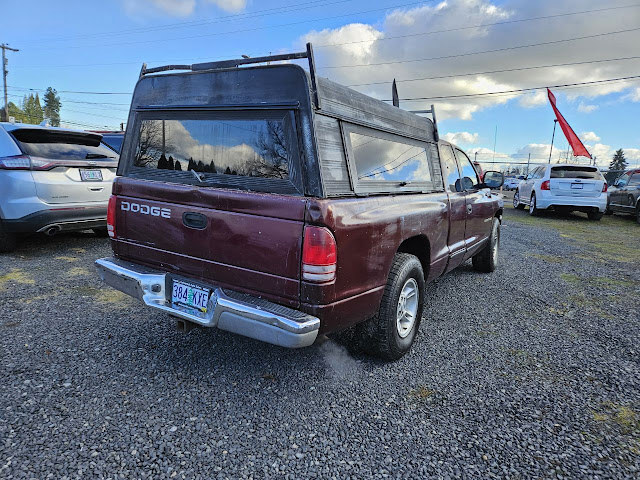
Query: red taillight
x: 319, y: 255
x: 111, y: 217
x: 545, y: 185
x: 15, y: 162
x: 605, y: 187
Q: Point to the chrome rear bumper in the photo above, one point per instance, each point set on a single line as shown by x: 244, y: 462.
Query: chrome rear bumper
x: 232, y: 311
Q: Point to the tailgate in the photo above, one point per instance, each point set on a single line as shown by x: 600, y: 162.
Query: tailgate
x: 243, y: 240
x: 74, y: 184
x: 576, y: 181
x: 575, y: 187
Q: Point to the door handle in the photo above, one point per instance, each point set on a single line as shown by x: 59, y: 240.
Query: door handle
x: 469, y: 208
x: 194, y: 220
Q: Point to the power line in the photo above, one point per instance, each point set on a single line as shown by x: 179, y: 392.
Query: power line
x: 455, y: 29
x: 198, y: 23
x: 520, y: 90
x: 435, y: 77
x: 173, y: 39
x: 552, y: 42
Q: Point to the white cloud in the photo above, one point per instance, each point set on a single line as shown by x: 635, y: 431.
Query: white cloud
x: 175, y: 8
x: 230, y: 5
x: 461, y: 138
x: 634, y: 96
x: 180, y: 8
x: 585, y: 108
x: 589, y: 137
x: 535, y: 99
x: 409, y: 26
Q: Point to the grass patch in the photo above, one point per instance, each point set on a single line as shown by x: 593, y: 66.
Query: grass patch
x: 421, y: 393
x: 620, y: 416
x: 570, y: 278
x: 67, y: 259
x: 548, y: 258
x: 77, y: 272
x: 613, y: 239
x: 107, y: 296
x: 16, y: 276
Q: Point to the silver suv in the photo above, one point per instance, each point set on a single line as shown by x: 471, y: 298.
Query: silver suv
x: 52, y: 180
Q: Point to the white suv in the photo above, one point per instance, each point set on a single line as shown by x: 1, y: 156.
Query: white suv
x: 563, y: 188
x: 52, y: 180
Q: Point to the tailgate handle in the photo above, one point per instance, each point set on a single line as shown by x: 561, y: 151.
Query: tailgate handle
x: 194, y: 220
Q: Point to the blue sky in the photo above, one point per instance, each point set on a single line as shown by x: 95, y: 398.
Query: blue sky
x: 99, y: 47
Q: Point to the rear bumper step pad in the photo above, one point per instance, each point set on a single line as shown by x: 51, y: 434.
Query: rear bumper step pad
x: 227, y: 310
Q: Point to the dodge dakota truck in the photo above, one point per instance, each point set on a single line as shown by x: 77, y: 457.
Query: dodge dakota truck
x: 266, y: 201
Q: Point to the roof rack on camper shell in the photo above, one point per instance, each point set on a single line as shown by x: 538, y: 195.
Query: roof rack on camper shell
x: 308, y: 54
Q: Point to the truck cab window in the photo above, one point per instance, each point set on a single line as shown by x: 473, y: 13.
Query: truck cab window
x: 469, y: 174
x: 451, y: 173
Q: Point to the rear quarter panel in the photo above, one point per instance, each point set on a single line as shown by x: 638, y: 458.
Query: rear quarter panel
x: 368, y: 232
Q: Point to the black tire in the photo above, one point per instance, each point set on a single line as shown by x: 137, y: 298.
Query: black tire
x: 100, y: 232
x: 8, y: 241
x: 384, y: 338
x: 516, y: 201
x: 595, y: 215
x: 638, y: 213
x: 533, y: 207
x: 486, y: 260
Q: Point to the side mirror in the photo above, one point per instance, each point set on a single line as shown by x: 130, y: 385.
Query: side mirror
x: 493, y: 179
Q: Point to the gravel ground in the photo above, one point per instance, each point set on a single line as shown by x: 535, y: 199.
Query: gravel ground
x: 529, y: 372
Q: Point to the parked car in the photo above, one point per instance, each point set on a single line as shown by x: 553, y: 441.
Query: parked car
x: 111, y: 138
x: 479, y: 170
x: 511, y: 183
x: 277, y: 205
x: 624, y: 194
x: 564, y: 188
x: 52, y: 180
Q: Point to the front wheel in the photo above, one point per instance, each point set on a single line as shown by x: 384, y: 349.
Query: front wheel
x: 487, y: 259
x: 516, y: 201
x: 394, y: 328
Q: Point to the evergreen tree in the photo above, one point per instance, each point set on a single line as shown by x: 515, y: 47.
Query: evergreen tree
x: 178, y: 166
x: 37, y: 110
x: 52, y: 106
x: 200, y: 166
x: 16, y: 112
x: 163, y: 162
x: 616, y: 167
x: 171, y: 165
x: 192, y: 164
x: 212, y: 167
x: 227, y: 171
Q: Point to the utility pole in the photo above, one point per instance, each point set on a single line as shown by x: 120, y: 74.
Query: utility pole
x: 528, y: 163
x: 552, y: 137
x: 4, y: 78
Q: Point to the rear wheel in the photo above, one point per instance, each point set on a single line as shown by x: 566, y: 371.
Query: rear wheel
x: 516, y: 200
x: 638, y: 213
x: 533, y: 208
x: 594, y: 215
x: 7, y: 240
x: 100, y: 232
x: 487, y: 259
x: 394, y: 328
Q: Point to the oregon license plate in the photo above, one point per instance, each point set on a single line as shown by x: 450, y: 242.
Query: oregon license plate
x: 577, y: 186
x: 91, y: 175
x: 187, y: 296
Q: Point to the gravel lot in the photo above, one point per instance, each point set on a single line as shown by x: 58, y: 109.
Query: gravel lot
x: 530, y: 372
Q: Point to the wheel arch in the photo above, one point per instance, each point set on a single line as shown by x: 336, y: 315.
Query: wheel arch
x: 420, y: 247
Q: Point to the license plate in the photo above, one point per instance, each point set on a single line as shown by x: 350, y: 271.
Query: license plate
x: 189, y: 296
x: 577, y: 186
x: 91, y: 175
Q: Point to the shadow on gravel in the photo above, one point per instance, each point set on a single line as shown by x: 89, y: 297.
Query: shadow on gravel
x: 40, y: 244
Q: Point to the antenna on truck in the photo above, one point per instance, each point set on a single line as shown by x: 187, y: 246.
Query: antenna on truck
x: 245, y: 60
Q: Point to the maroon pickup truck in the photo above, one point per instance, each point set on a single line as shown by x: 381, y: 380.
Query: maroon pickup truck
x: 268, y: 202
